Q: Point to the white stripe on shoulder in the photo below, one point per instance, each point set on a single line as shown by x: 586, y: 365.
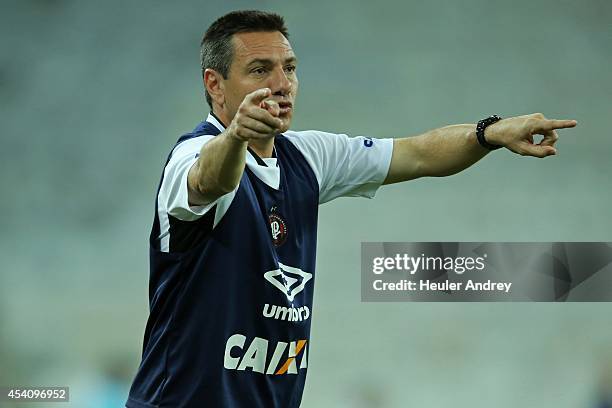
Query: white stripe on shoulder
x: 190, y: 146
x: 164, y: 226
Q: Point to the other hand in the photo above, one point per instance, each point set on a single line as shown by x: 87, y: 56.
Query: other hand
x: 516, y: 134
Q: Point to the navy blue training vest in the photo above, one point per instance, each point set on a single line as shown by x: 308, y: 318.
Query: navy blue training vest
x: 230, y: 306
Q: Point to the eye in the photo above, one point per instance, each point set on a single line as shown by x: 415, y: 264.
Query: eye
x: 258, y: 71
x: 290, y: 68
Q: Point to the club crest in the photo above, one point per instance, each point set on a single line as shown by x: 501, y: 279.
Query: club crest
x: 278, y: 227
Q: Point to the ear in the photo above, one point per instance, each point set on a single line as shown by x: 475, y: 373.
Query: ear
x: 214, y: 85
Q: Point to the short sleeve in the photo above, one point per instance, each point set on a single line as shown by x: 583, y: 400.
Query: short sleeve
x: 344, y: 166
x: 173, y: 197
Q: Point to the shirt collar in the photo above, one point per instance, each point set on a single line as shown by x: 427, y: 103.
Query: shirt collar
x: 269, y: 172
x: 216, y: 122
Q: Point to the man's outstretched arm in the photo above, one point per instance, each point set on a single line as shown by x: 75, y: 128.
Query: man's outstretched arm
x: 451, y: 149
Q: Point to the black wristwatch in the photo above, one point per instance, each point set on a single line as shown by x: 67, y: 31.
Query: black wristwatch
x: 480, y: 128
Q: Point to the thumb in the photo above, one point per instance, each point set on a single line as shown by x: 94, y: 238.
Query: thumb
x: 271, y: 106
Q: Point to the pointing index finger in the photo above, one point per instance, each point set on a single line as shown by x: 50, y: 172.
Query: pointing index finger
x: 259, y: 95
x: 550, y: 124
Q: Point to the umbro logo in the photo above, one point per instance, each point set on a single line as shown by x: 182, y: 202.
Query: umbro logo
x: 288, y: 280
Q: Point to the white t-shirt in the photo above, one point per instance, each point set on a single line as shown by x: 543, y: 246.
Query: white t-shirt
x: 344, y: 167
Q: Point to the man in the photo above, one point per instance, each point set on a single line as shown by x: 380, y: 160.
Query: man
x: 234, y: 236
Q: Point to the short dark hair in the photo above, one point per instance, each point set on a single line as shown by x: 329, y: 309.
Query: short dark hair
x: 216, y: 48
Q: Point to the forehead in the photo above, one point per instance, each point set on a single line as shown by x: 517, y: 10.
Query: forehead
x: 261, y: 45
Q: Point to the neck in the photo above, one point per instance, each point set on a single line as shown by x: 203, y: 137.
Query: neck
x: 263, y: 147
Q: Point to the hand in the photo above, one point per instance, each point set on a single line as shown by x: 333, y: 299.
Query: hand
x: 516, y: 134
x: 256, y: 118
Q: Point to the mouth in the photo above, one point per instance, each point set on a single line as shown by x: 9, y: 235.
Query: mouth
x: 285, y: 107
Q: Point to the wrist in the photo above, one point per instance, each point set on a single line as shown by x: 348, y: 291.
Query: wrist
x: 485, y: 133
x: 490, y: 135
x: 233, y: 137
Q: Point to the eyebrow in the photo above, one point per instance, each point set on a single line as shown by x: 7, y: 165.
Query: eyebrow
x: 268, y: 62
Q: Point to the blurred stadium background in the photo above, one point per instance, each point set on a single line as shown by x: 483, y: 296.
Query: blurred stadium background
x: 94, y: 94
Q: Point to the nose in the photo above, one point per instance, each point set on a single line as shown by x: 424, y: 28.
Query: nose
x: 281, y: 84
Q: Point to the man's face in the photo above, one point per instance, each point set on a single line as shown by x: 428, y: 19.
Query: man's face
x: 262, y: 60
